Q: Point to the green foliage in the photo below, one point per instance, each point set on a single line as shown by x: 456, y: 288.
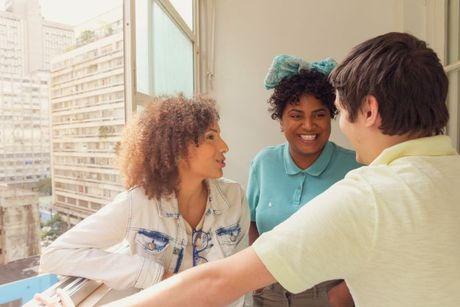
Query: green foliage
x: 44, y: 186
x: 53, y: 228
x: 86, y: 36
x: 108, y: 30
x: 105, y: 131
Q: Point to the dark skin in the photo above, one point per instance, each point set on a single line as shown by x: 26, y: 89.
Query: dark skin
x: 307, y: 127
x: 338, y: 296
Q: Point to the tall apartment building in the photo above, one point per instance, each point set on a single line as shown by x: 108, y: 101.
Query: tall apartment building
x: 27, y: 44
x: 19, y: 224
x: 87, y: 110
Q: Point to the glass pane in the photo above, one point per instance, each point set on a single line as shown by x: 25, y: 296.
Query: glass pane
x: 61, y: 114
x: 143, y: 65
x: 453, y: 56
x: 172, y: 56
x: 453, y: 30
x: 185, y: 9
x: 453, y: 127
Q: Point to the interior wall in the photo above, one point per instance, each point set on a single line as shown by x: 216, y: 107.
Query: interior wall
x: 249, y: 33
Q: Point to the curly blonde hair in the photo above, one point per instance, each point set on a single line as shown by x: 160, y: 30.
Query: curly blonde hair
x: 154, y: 141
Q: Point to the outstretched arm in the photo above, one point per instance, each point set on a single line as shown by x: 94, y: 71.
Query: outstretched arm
x: 213, y: 284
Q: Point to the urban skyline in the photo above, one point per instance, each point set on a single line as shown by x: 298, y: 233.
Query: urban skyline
x: 88, y: 115
x: 61, y: 106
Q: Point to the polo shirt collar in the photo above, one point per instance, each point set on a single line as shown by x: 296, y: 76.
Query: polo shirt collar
x: 439, y: 145
x: 316, y: 168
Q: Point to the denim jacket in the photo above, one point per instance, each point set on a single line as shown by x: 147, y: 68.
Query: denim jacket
x: 156, y: 235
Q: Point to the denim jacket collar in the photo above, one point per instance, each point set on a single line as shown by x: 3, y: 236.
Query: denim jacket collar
x: 217, y: 203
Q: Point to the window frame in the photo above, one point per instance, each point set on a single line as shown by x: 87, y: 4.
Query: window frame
x: 439, y: 37
x: 134, y: 98
x: 453, y: 69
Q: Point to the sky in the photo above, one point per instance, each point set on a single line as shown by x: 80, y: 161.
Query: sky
x: 75, y: 12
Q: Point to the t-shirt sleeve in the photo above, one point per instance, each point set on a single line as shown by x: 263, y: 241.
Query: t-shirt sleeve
x: 329, y: 238
x: 253, y: 191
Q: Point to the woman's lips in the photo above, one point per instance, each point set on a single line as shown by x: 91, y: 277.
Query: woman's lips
x: 221, y: 163
x: 308, y: 138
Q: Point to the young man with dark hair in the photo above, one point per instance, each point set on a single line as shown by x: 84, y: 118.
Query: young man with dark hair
x: 390, y: 229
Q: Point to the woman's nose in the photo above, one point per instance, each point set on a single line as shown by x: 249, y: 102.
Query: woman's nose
x: 224, y: 146
x: 308, y: 123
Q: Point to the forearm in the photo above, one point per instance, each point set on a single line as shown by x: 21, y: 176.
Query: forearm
x: 119, y: 271
x: 193, y: 285
x: 339, y: 296
x: 213, y: 284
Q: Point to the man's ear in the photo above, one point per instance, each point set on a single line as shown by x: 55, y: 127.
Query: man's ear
x: 370, y: 111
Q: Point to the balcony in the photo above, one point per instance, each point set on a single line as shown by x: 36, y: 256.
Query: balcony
x: 17, y: 292
x: 85, y: 292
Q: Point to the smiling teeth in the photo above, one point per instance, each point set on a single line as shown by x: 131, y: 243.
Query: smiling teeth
x: 308, y: 137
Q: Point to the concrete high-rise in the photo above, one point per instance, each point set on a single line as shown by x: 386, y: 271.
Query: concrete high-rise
x: 88, y: 114
x: 19, y: 224
x: 27, y: 44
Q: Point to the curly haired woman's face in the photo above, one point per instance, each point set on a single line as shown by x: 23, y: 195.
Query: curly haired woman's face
x: 206, y: 160
x: 307, y: 127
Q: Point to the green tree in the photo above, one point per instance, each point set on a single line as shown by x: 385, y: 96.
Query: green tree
x: 86, y: 36
x: 53, y: 228
x: 108, y: 30
x: 44, y: 186
x: 105, y: 131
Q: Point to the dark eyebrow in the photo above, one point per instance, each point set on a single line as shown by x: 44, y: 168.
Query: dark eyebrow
x: 314, y: 111
x: 320, y: 110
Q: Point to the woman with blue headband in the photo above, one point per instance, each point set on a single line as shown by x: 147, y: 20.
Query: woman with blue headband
x: 285, y: 177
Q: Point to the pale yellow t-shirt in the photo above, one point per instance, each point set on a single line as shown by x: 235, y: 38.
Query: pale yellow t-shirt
x: 390, y: 229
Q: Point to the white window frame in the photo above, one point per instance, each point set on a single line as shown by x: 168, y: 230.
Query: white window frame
x: 452, y: 71
x: 133, y: 98
x: 438, y: 37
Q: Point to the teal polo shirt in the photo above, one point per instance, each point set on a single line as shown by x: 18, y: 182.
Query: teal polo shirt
x: 277, y: 187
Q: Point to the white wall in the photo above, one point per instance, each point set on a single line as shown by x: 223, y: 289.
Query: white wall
x: 250, y: 32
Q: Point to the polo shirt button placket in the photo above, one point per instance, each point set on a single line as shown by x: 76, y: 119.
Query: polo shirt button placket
x: 298, y: 191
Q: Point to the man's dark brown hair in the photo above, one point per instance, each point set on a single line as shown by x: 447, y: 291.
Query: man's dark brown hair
x: 404, y: 75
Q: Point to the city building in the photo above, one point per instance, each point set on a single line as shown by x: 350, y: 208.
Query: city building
x: 27, y: 44
x: 88, y: 114
x: 19, y: 224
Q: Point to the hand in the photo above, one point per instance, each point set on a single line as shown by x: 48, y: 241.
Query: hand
x: 167, y: 274
x: 61, y: 299
x: 258, y: 291
x: 339, y: 296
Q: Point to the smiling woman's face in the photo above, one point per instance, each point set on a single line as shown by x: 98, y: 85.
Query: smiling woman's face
x: 307, y: 127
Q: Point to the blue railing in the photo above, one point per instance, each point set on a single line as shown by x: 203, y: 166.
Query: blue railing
x: 25, y: 289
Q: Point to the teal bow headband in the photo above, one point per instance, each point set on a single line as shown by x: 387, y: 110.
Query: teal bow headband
x: 286, y: 66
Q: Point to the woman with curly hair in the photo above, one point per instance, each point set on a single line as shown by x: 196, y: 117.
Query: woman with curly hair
x: 177, y: 211
x: 285, y: 177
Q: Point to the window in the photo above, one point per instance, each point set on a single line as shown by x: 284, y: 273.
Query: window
x: 54, y: 105
x: 437, y: 22
x: 453, y: 69
x: 162, y: 51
